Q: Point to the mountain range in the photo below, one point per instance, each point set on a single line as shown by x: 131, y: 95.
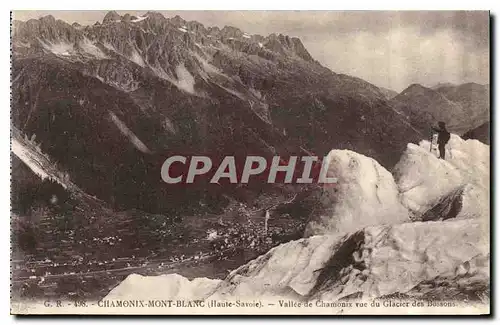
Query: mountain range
x: 462, y: 107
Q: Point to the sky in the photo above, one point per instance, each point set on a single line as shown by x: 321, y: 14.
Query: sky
x: 391, y: 49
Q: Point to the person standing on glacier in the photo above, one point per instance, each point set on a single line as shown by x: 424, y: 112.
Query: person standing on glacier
x: 443, y: 138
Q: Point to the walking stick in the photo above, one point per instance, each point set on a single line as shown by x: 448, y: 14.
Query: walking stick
x: 432, y: 138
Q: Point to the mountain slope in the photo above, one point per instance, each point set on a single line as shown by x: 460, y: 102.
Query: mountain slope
x: 473, y: 97
x: 111, y: 101
x: 481, y: 133
x: 461, y: 107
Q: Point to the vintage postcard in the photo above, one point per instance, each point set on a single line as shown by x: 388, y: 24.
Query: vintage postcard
x: 250, y: 162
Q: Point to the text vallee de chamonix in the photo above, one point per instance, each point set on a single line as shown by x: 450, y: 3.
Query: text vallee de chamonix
x: 294, y: 169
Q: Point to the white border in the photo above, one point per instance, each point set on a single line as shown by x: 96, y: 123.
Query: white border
x: 192, y: 5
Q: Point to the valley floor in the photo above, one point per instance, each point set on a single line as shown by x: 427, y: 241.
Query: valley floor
x: 63, y: 258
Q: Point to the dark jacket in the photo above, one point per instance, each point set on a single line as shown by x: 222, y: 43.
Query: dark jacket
x: 443, y: 135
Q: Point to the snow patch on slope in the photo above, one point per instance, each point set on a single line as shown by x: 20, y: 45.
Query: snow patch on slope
x: 133, y: 54
x: 90, y: 48
x: 29, y: 152
x: 109, y: 47
x: 140, y: 18
x: 61, y: 48
x: 185, y: 80
x: 24, y: 154
x: 136, y: 58
x: 207, y: 67
x: 129, y: 134
x: 233, y: 92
